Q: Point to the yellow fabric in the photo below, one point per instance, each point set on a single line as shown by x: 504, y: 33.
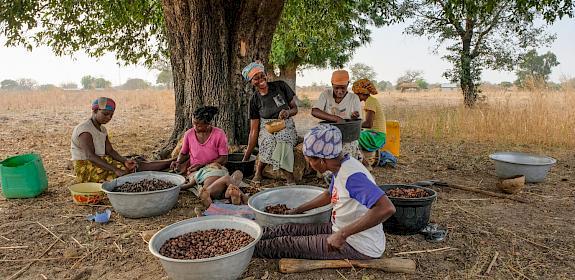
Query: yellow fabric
x: 379, y: 123
x: 86, y: 171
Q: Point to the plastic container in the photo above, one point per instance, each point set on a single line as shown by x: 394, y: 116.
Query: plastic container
x: 87, y: 193
x: 144, y: 204
x: 23, y: 176
x: 350, y: 129
x: 292, y: 196
x: 235, y: 163
x: 392, y: 137
x: 511, y: 164
x: 228, y: 266
x: 411, y: 214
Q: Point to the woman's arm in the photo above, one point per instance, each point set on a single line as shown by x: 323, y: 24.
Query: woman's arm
x: 87, y: 145
x: 284, y: 114
x: 319, y: 201
x: 381, y: 211
x: 253, y: 138
x: 316, y: 112
x: 369, y: 116
x: 111, y: 152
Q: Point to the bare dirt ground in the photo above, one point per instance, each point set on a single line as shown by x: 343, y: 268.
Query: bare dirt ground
x: 534, y: 240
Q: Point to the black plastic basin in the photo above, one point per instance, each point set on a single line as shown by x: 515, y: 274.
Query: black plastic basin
x: 411, y: 214
x: 350, y: 129
x: 235, y: 163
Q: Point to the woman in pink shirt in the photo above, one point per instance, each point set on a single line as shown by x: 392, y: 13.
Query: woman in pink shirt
x: 206, y: 148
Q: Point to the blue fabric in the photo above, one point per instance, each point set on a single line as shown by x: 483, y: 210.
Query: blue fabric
x: 386, y: 158
x: 323, y: 141
x: 363, y: 190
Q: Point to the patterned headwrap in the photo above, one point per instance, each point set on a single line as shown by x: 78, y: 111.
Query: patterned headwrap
x: 104, y: 103
x: 251, y: 70
x: 323, y: 141
x: 364, y: 86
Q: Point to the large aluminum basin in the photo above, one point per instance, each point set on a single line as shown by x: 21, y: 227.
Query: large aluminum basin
x: 228, y: 266
x: 144, y: 204
x: 292, y: 196
x: 533, y: 167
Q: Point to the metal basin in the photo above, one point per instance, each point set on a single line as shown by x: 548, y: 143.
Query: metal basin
x: 292, y: 196
x: 533, y: 167
x: 144, y: 204
x: 350, y: 129
x: 228, y: 266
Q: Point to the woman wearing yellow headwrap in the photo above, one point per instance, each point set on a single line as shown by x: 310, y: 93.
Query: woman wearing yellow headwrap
x: 372, y: 137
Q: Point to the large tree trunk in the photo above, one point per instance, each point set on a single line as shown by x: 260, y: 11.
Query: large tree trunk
x: 288, y: 74
x: 209, y: 43
x: 467, y: 82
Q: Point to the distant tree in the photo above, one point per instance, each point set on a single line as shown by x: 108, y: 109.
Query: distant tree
x: 506, y: 85
x: 26, y: 84
x: 422, y: 83
x: 410, y: 76
x: 362, y: 71
x: 133, y: 84
x: 88, y: 82
x: 8, y: 84
x: 166, y: 79
x: 486, y: 34
x: 384, y: 85
x: 47, y: 87
x: 102, y: 83
x: 535, y: 68
x: 69, y: 86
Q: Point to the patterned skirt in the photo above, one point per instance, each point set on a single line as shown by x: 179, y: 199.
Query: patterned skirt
x: 267, y: 141
x: 86, y: 171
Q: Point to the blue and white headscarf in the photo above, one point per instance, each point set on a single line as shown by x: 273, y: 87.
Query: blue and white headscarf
x: 323, y: 141
x: 251, y: 70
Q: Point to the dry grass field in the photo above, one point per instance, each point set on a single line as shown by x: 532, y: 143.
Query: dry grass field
x: 440, y: 140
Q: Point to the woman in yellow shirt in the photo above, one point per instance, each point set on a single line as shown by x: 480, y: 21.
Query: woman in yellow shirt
x: 372, y: 137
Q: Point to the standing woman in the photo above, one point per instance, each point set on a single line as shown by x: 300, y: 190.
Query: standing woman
x: 372, y: 138
x: 271, y: 101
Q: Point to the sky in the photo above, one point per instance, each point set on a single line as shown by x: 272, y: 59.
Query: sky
x: 390, y: 53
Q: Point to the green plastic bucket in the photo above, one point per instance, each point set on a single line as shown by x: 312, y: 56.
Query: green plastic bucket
x: 23, y: 176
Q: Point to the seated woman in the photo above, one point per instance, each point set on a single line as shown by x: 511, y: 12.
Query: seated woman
x: 94, y: 158
x: 372, y: 138
x: 335, y: 105
x: 205, y: 149
x: 359, y: 208
x: 270, y: 102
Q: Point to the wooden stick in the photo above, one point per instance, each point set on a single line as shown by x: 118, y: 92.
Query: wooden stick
x: 40, y: 259
x: 400, y: 265
x: 426, y: 251
x: 57, y: 237
x: 492, y: 263
x: 518, y: 272
x: 19, y: 272
x: 475, y: 190
x: 14, y: 247
x: 77, y: 242
x: 341, y: 275
x: 44, y: 276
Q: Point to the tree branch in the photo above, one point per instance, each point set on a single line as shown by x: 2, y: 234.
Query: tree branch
x: 451, y: 18
x: 494, y: 22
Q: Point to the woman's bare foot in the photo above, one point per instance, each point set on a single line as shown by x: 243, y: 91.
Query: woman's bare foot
x: 234, y: 193
x: 205, y: 197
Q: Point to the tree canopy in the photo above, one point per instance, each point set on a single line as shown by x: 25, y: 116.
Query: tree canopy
x: 362, y: 71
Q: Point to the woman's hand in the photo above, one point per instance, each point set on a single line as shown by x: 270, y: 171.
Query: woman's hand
x: 194, y: 168
x: 175, y: 165
x: 355, y: 115
x: 294, y: 211
x: 284, y: 114
x: 336, y: 240
x: 120, y: 172
x: 338, y: 119
x: 131, y: 165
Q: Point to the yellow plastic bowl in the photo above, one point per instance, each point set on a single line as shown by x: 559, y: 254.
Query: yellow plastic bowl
x: 87, y: 193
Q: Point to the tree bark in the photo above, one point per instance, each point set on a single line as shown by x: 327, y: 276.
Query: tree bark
x: 209, y: 43
x: 288, y: 74
x: 467, y: 82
